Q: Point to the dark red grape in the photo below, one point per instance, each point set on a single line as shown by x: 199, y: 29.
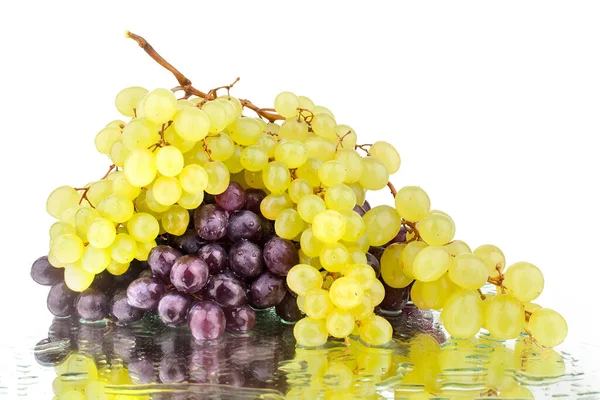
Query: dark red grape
x: 233, y: 198
x: 288, y: 309
x: 215, y: 256
x: 267, y: 291
x: 377, y: 251
x: 253, y: 199
x: 188, y: 243
x: 358, y: 209
x: 210, y: 221
x: 206, y: 320
x: 244, y: 225
x: 366, y: 206
x: 92, y: 305
x: 245, y: 259
x: 374, y: 263
x: 161, y: 260
x: 240, y: 319
x: 145, y: 293
x: 45, y: 274
x: 189, y: 274
x: 173, y: 308
x: 400, y: 236
x: 60, y: 300
x: 226, y: 290
x: 280, y: 256
x: 395, y: 299
x: 104, y: 282
x: 122, y: 311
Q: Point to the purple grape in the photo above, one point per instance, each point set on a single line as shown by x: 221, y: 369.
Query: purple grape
x: 206, y: 320
x: 267, y: 291
x: 253, y: 199
x: 233, y: 198
x: 377, y: 251
x: 240, y: 319
x: 210, y: 221
x: 400, y: 236
x: 161, y: 260
x: 395, y: 299
x: 225, y: 290
x: 359, y: 210
x: 188, y: 243
x: 145, y: 293
x: 172, y: 370
x: 366, y: 206
x: 45, y: 274
x: 60, y: 300
x: 268, y: 230
x: 104, y: 281
x: 189, y: 274
x: 244, y: 225
x: 173, y: 308
x: 374, y: 263
x: 245, y: 259
x: 288, y: 309
x: 122, y: 311
x: 280, y: 256
x: 92, y: 305
x: 215, y: 257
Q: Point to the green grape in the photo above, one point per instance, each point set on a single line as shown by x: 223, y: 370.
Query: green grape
x: 355, y: 226
x: 363, y: 273
x: 117, y: 123
x: 191, y: 124
x: 291, y: 152
x: 462, y: 314
x: 95, y: 260
x: 299, y: 188
x: 159, y: 106
x: 409, y: 254
x: 169, y: 161
x: 100, y: 190
x: 376, y: 331
x: 323, y: 110
x: 340, y: 323
x: 190, y: 201
x: 310, y: 171
x: 302, y: 278
x: 53, y: 261
x: 152, y: 204
x: 374, y: 291
x: 101, y: 233
x: 273, y: 204
x: 362, y: 244
x: 218, y: 177
x: 309, y: 206
x: 352, y: 162
x: 310, y: 332
x: 196, y: 156
x: 140, y: 167
x: 324, y: 125
x: 128, y: 98
x: 357, y: 256
x: 116, y: 208
x: 457, y: 247
x: 276, y: 177
x: 60, y: 228
x: 122, y: 188
x: 116, y: 268
x: 220, y: 147
x: 119, y: 153
x: 68, y: 215
x: 468, y: 271
x: 67, y: 248
x: 382, y: 224
x: 320, y: 148
x: 524, y: 281
x: 328, y: 226
x: 310, y: 244
x: 431, y: 263
x: 340, y: 197
x: 359, y: 191
x: 364, y: 310
x: 106, y: 138
x: 392, y: 269
x: 334, y: 257
x: 388, y: 155
x: 184, y: 103
x: 347, y: 136
x: 140, y: 134
x: 123, y: 249
x: 230, y: 110
x: 412, y: 203
x: 493, y: 257
x: 237, y: 105
x: 289, y: 224
x: 504, y: 317
x: 233, y: 163
x: 246, y: 131
x: 143, y: 250
x: 143, y: 227
x: 268, y: 143
x: 61, y: 199
x: 166, y: 190
x: 175, y: 220
x: 346, y: 293
x: 548, y: 327
x: 76, y: 278
x: 286, y: 104
x: 254, y: 158
x: 437, y: 229
x: 374, y: 175
x: 173, y: 139
x: 193, y: 178
x: 431, y: 295
x: 317, y: 304
x: 83, y: 219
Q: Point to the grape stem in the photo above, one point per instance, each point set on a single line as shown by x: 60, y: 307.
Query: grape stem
x: 186, y: 85
x: 85, y: 190
x: 362, y: 147
x: 481, y: 294
x: 411, y: 227
x: 392, y: 189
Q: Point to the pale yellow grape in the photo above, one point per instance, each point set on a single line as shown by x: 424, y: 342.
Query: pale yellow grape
x: 324, y: 125
x: 230, y: 110
x: 363, y: 310
x: 286, y: 104
x: 357, y: 256
x: 218, y: 177
x: 233, y: 163
x: 117, y: 123
x: 362, y: 243
x: 352, y: 162
x: 412, y: 203
x: 116, y: 268
x: 355, y: 226
x: 300, y: 302
x: 140, y: 134
x: 432, y: 295
x: 302, y: 278
x: 431, y: 263
x: 289, y: 224
x: 245, y: 131
x: 493, y: 257
x: 548, y: 327
x: 334, y: 257
x: 143, y: 227
x: 310, y: 171
x: 100, y: 190
x: 54, y: 262
x: 140, y: 167
x: 106, y: 138
x: 392, y: 269
x: 160, y: 106
x: 340, y: 323
x: 76, y: 278
x: 486, y: 303
x: 530, y: 307
x: 320, y: 148
x: 382, y: 224
x: 276, y: 177
x: 376, y: 331
x: 309, y: 206
x: 61, y: 228
x: 193, y: 178
x: 375, y: 175
x: 306, y: 103
x: 254, y: 158
x: 409, y: 254
x: 504, y: 317
x: 387, y: 154
x: 123, y: 249
x: 346, y: 293
x: 68, y: 215
x: 95, y: 260
x: 190, y: 201
x: 329, y: 226
x: 191, y: 124
x: 340, y: 197
x: 169, y: 161
x: 220, y: 147
x: 363, y: 273
x: 375, y: 291
x: 166, y: 190
x: 347, y: 136
x: 317, y: 304
x: 119, y: 153
x: 462, y: 314
x: 83, y: 219
x: 128, y: 98
x: 67, y: 248
x: 468, y: 271
x: 61, y: 199
x: 310, y: 332
x: 457, y: 247
x: 299, y: 188
x: 237, y: 105
x: 184, y: 103
x: 310, y: 244
x: 122, y: 188
x: 143, y: 250
x: 359, y: 191
x: 101, y: 233
x: 291, y: 152
x: 175, y: 220
x: 323, y: 110
x: 524, y: 281
x: 268, y: 143
x: 437, y: 229
x: 273, y: 204
x: 196, y: 156
x: 116, y: 208
x: 172, y: 138
x: 152, y: 204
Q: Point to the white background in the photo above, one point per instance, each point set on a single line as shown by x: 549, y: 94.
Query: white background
x: 494, y: 107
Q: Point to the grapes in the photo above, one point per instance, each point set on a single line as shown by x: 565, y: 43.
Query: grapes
x: 240, y: 319
x: 245, y: 259
x: 524, y: 281
x: 244, y: 225
x: 43, y: 273
x: 280, y: 256
x: 382, y: 224
x: 463, y: 314
x: 92, y: 305
x: 504, y: 317
x: 61, y: 300
x: 173, y: 308
x: 145, y: 293
x: 548, y: 327
x: 302, y: 278
x: 233, y: 198
x: 189, y: 274
x: 210, y: 221
x: 225, y: 290
x: 206, y: 320
x: 215, y: 257
x: 266, y: 291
